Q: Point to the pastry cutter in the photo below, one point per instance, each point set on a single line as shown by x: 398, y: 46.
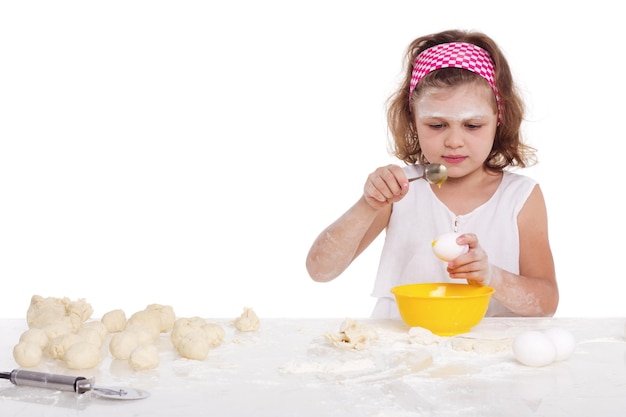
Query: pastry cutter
x: 77, y: 384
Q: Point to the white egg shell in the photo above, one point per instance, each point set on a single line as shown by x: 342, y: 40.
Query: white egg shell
x: 563, y: 340
x: 534, y: 348
x: 446, y: 248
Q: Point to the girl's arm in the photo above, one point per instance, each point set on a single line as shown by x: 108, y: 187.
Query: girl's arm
x: 341, y: 242
x: 534, y: 292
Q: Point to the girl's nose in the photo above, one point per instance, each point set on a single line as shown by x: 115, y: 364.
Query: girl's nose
x: 454, y: 139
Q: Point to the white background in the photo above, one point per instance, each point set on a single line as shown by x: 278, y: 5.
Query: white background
x: 188, y: 152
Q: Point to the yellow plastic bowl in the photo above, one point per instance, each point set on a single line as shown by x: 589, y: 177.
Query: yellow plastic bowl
x: 443, y: 308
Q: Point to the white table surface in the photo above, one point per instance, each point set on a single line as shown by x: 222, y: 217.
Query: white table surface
x: 288, y: 368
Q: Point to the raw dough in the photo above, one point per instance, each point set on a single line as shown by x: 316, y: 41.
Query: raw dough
x: 248, y: 321
x: 183, y: 325
x: 60, y: 344
x: 148, y: 321
x: 352, y: 335
x: 193, y: 346
x: 145, y: 334
x: 144, y: 357
x: 98, y: 326
x: 57, y: 329
x: 82, y: 355
x: 114, y: 320
x: 423, y: 336
x: 192, y: 336
x: 91, y: 334
x: 27, y: 354
x: 166, y: 315
x: 44, y: 311
x: 122, y: 344
x: 37, y: 336
x: 214, y: 334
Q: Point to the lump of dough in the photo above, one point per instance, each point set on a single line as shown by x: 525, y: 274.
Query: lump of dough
x: 122, y: 344
x: 214, y: 334
x: 423, y: 336
x: 60, y: 344
x: 352, y: 335
x: 27, y: 354
x: 57, y: 329
x: 98, y: 326
x: 147, y: 321
x: 91, y: 335
x: 248, y: 321
x: 144, y: 357
x: 37, y: 336
x: 185, y: 325
x: 44, y: 311
x: 166, y: 315
x: 145, y: 335
x: 198, y: 335
x: 82, y: 355
x: 114, y: 320
x: 79, y: 311
x: 193, y: 346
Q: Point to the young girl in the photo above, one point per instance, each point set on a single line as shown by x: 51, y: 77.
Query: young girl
x: 458, y: 107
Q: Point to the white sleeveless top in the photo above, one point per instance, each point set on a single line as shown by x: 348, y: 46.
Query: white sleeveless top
x: 420, y: 217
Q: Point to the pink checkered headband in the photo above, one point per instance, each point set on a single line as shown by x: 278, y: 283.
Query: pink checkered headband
x: 456, y: 55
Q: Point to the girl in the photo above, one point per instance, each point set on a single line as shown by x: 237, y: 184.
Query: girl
x: 457, y: 106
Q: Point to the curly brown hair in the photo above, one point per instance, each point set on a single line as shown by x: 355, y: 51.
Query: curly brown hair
x: 508, y: 148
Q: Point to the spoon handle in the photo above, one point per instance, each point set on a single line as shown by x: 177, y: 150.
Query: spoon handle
x: 414, y: 172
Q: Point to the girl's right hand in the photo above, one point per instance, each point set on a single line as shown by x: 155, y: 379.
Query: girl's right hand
x: 385, y: 186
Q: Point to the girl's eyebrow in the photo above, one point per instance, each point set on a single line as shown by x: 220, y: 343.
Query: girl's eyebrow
x: 460, y: 116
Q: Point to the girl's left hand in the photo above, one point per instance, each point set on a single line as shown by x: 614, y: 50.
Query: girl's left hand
x: 473, y: 265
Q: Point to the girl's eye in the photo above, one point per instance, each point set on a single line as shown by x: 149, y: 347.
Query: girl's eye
x: 436, y: 125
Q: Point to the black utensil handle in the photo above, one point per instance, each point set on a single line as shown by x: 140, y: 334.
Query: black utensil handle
x: 49, y: 381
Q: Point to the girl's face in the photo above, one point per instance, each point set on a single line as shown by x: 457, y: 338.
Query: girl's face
x: 456, y: 126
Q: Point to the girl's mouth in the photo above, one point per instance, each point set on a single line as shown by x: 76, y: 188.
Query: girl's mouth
x: 454, y: 159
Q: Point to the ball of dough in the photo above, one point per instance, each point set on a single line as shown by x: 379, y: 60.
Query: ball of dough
x: 148, y: 321
x: 82, y: 355
x: 37, y: 336
x: 60, y: 344
x: 114, y: 320
x: 122, y: 344
x: 145, y: 335
x: 27, y: 354
x: 198, y: 336
x: 185, y: 325
x: 91, y: 335
x: 248, y: 321
x: 194, y: 346
x: 166, y: 314
x: 58, y: 329
x: 144, y: 357
x: 98, y: 326
x: 214, y: 334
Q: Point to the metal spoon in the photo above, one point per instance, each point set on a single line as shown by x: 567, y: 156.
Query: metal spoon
x: 433, y: 173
